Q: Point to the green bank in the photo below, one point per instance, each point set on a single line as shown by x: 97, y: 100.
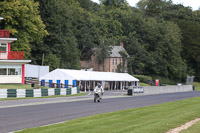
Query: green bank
x: 152, y: 119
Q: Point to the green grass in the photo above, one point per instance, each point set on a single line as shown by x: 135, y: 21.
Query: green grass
x: 153, y: 119
x: 143, y: 78
x: 194, y: 129
x: 197, y: 85
x: 15, y: 86
x: 144, y: 84
x: 20, y: 86
x: 5, y: 99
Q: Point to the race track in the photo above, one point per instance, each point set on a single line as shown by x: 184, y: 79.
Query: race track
x: 18, y: 118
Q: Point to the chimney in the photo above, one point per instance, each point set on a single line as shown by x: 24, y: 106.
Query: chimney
x: 121, y: 44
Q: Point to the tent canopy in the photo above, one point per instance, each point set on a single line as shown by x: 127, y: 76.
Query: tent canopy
x: 68, y: 74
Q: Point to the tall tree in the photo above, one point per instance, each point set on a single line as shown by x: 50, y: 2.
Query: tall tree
x: 22, y: 18
x: 61, y: 44
x: 89, y: 5
x: 104, y: 50
x: 114, y: 3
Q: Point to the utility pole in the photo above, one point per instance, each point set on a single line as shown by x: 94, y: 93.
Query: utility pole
x: 42, y: 59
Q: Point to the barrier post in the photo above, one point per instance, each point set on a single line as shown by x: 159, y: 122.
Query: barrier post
x: 66, y: 83
x: 43, y: 83
x: 74, y: 83
x: 50, y: 83
x: 58, y: 83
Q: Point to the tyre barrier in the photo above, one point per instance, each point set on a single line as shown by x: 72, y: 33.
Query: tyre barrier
x: 69, y: 91
x: 20, y: 93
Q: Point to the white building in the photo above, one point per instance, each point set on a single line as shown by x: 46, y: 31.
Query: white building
x: 11, y: 62
x: 35, y: 71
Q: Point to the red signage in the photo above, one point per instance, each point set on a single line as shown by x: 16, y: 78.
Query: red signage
x: 157, y: 82
x: 4, y: 33
x: 12, y: 55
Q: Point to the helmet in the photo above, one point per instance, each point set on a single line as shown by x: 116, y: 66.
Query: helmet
x: 99, y: 85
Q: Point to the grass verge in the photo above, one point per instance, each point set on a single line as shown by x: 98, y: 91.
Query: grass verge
x: 15, y: 86
x: 197, y: 86
x: 80, y: 94
x: 20, y: 86
x: 144, y: 84
x: 193, y: 129
x: 152, y: 119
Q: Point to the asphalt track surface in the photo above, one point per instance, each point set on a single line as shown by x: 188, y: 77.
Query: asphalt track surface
x: 18, y: 118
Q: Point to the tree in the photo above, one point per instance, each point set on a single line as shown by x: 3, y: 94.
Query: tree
x: 61, y: 43
x: 89, y: 5
x: 191, y: 46
x: 114, y: 3
x: 104, y: 50
x: 22, y: 18
x: 121, y: 67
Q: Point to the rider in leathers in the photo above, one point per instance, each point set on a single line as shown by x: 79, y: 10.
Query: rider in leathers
x: 99, y: 89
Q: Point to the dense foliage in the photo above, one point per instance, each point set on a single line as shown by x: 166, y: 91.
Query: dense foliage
x: 160, y: 37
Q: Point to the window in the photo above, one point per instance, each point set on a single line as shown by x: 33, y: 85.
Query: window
x: 113, y: 61
x: 14, y: 71
x: 10, y: 69
x: 112, y: 70
x: 120, y: 60
x: 3, y: 47
x: 115, y: 70
x: 3, y: 71
x: 116, y: 61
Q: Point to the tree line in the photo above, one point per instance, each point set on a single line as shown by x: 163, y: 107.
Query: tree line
x: 161, y: 38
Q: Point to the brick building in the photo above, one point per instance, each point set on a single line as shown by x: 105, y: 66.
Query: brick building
x: 111, y: 63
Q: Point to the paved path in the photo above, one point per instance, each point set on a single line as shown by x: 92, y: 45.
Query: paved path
x: 28, y: 116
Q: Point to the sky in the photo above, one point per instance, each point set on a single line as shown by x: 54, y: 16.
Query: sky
x: 195, y: 4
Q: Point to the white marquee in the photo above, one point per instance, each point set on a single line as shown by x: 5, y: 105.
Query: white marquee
x: 67, y: 74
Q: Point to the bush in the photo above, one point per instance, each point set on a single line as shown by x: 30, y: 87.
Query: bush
x: 164, y: 80
x: 143, y: 78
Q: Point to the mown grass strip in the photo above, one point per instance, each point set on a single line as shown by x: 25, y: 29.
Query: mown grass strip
x: 197, y: 86
x: 20, y: 86
x: 153, y: 119
x: 80, y: 94
x: 15, y: 86
x: 144, y: 84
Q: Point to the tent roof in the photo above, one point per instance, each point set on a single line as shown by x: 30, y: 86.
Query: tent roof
x: 64, y: 74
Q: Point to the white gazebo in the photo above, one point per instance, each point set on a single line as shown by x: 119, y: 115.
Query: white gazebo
x: 88, y: 79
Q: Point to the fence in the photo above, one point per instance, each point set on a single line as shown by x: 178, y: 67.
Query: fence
x: 12, y: 55
x: 21, y: 93
x: 50, y: 84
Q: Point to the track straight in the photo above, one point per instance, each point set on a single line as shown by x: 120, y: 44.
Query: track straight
x: 18, y: 118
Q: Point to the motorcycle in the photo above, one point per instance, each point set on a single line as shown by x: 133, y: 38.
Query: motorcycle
x: 97, y: 97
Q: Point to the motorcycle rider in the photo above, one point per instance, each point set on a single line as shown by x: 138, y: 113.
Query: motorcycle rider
x: 99, y: 89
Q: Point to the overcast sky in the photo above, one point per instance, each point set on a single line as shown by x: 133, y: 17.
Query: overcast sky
x: 195, y: 4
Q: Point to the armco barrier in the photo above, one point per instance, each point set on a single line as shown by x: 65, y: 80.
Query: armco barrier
x: 166, y: 89
x: 20, y: 93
